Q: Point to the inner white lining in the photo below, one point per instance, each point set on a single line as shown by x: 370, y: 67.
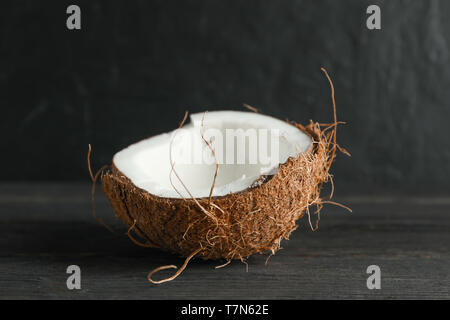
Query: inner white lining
x: 147, y: 163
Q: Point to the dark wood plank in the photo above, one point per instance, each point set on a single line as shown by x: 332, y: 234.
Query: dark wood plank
x: 46, y: 227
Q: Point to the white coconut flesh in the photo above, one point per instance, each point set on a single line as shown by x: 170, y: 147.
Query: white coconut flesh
x: 148, y: 163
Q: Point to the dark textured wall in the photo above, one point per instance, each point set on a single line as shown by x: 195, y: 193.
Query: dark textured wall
x: 136, y: 66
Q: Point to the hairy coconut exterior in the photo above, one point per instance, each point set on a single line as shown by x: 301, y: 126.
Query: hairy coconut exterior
x: 234, y: 226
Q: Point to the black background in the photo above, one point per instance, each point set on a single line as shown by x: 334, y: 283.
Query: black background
x: 136, y: 66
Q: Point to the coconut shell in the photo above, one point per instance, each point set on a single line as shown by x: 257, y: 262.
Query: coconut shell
x: 229, y: 227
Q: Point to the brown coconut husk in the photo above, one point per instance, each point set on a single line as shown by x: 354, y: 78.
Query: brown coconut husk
x: 235, y: 226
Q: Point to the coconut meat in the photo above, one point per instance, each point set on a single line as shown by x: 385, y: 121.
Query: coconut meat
x: 148, y: 163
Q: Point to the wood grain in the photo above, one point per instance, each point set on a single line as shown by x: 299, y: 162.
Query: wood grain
x: 46, y: 227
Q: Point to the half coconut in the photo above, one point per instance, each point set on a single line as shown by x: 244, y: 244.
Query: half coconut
x: 194, y: 193
x: 178, y: 204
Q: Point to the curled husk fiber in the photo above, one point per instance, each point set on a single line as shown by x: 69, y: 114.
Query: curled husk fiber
x: 235, y: 226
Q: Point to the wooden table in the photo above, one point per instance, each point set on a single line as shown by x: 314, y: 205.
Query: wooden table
x: 46, y: 227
